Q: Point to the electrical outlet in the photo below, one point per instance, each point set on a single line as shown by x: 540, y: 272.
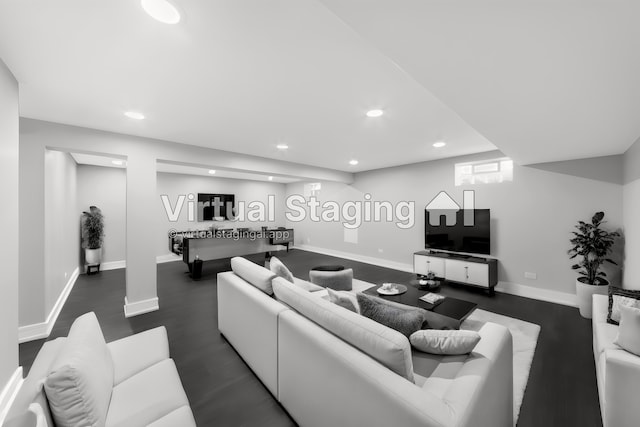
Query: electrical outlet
x: 532, y: 276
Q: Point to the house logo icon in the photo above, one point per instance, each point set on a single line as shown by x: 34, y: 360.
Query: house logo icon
x: 444, y: 205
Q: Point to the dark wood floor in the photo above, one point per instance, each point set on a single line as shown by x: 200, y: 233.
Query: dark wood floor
x: 223, y: 391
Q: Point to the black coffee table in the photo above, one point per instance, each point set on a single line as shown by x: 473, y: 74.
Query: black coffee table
x: 449, y: 313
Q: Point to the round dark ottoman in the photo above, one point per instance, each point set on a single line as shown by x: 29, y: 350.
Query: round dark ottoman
x: 339, y: 280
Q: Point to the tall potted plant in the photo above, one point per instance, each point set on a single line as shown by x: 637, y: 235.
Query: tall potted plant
x: 92, y: 236
x: 593, y: 244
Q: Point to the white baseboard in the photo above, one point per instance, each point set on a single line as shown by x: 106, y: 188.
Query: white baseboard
x: 505, y: 287
x: 9, y: 393
x: 42, y: 330
x: 538, y: 293
x: 360, y: 258
x: 140, y: 307
x: 113, y: 265
x: 161, y: 259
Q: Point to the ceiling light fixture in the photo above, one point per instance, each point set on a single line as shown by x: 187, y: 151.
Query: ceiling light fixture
x: 282, y: 146
x: 270, y: 178
x: 134, y: 115
x: 117, y: 162
x: 212, y: 172
x: 375, y: 113
x: 161, y: 10
x: 353, y: 162
x: 439, y: 144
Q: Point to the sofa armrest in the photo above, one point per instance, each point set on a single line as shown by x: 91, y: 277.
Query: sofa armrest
x: 134, y: 354
x: 622, y: 383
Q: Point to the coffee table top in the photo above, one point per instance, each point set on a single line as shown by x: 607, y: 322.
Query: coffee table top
x: 450, y: 307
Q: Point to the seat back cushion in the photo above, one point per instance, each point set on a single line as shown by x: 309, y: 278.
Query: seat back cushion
x: 279, y: 269
x: 253, y: 273
x: 388, y: 347
x: 80, y: 380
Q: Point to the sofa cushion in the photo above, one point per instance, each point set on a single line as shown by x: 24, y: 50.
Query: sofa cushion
x: 80, y: 380
x: 344, y: 299
x: 405, y: 319
x: 279, y: 269
x: 604, y: 336
x: 451, y: 342
x: 619, y: 297
x: 389, y: 347
x: 629, y: 330
x: 182, y: 417
x: 254, y: 274
x: 147, y: 396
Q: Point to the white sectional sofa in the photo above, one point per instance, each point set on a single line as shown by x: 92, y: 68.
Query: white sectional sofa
x: 329, y: 366
x: 137, y: 386
x: 617, y: 371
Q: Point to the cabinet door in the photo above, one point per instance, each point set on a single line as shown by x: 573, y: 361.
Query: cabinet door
x: 456, y: 271
x: 478, y: 274
x: 422, y: 264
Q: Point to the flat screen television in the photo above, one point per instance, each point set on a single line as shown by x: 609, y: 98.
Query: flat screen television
x: 455, y: 236
x: 215, y: 207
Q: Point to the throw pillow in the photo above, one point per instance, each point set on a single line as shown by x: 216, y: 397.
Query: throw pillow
x: 451, y: 342
x: 279, y: 269
x: 621, y: 297
x: 80, y: 380
x: 629, y: 330
x: 403, y: 318
x: 344, y: 299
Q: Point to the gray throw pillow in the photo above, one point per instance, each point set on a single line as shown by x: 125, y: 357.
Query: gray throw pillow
x: 279, y: 269
x: 403, y: 318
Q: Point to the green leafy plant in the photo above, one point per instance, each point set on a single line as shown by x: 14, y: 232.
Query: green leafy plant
x: 92, y: 228
x: 593, y: 244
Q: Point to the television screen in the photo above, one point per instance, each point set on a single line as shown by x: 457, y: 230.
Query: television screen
x: 215, y: 207
x: 469, y: 232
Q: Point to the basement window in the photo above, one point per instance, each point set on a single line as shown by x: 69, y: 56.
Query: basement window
x: 492, y: 171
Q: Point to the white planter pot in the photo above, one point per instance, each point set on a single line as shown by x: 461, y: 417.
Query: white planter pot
x: 92, y: 256
x: 585, y: 293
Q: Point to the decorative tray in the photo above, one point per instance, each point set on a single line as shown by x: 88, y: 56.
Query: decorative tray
x: 396, y: 289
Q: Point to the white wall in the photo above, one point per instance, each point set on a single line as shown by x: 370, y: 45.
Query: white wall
x: 531, y: 217
x: 106, y: 188
x: 10, y: 236
x: 61, y: 226
x: 631, y: 204
x: 174, y: 185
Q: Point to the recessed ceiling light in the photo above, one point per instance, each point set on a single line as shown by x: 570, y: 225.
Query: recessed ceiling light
x: 212, y: 172
x: 270, y: 178
x: 439, y: 144
x: 375, y: 113
x: 282, y: 146
x: 117, y: 162
x: 353, y: 162
x: 161, y: 10
x: 134, y: 115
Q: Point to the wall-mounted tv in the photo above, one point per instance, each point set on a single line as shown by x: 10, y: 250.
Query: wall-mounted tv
x: 215, y: 207
x: 469, y: 232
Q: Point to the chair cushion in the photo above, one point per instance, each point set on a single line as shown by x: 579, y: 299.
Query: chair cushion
x: 279, y: 269
x: 389, y: 347
x: 80, y: 380
x: 147, y: 396
x: 255, y: 274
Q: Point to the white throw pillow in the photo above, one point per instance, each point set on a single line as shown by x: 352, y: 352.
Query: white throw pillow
x: 80, y: 380
x: 449, y: 342
x: 629, y: 330
x: 279, y: 269
x: 344, y: 299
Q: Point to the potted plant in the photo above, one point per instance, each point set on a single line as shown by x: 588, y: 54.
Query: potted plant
x: 593, y: 244
x: 92, y: 237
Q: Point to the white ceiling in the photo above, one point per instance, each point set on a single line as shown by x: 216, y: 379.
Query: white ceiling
x: 171, y: 167
x: 542, y: 80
